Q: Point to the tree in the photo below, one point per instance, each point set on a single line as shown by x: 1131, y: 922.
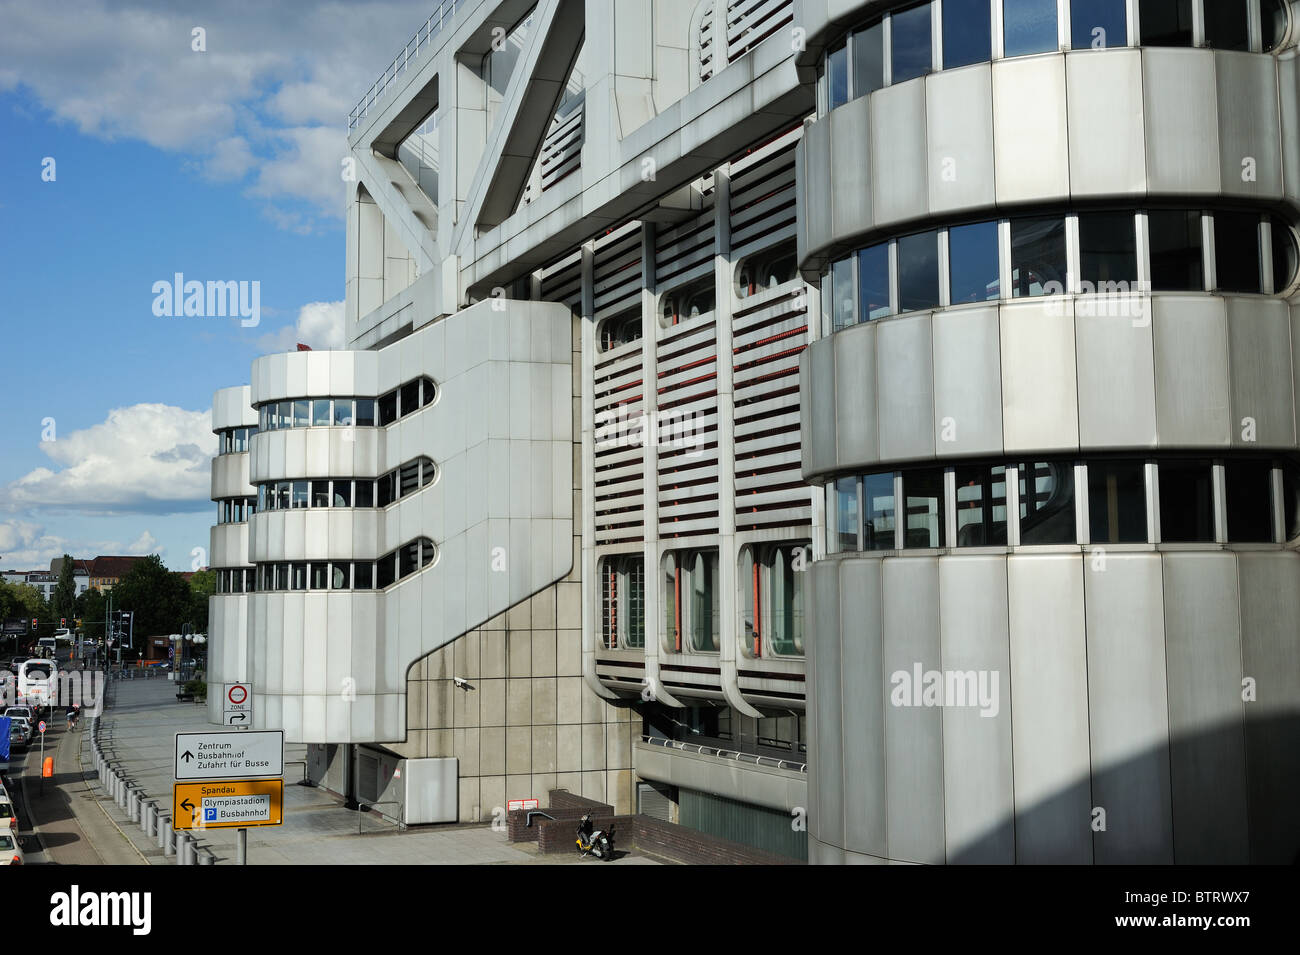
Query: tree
x: 90, y: 607
x: 202, y: 586
x: 159, y: 598
x: 64, y: 601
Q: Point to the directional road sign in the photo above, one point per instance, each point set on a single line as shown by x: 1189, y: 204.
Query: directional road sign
x: 229, y: 755
x: 228, y: 803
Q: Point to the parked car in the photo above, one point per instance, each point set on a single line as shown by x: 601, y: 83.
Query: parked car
x: 8, y: 819
x: 17, y: 737
x: 24, y: 711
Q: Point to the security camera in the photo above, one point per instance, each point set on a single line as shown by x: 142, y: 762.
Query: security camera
x: 463, y: 683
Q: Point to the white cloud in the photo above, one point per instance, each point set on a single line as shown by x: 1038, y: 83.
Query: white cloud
x: 269, y: 97
x: 146, y: 458
x: 28, y: 546
x: 144, y: 545
x: 319, y: 325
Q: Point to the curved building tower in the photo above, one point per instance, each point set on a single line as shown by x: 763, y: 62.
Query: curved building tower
x: 1053, y: 408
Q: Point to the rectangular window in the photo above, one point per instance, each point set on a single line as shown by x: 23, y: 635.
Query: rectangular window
x: 633, y: 571
x: 342, y: 412
x: 609, y: 604
x: 301, y: 413
x: 365, y: 496
x: 409, y: 478
x: 1108, y: 252
x: 363, y: 576
x: 869, y: 59
x: 365, y: 413
x: 409, y: 559
x: 320, y: 412
x: 1117, y: 502
x: 1098, y: 24
x: 299, y: 578
x: 320, y: 576
x: 873, y: 282
x: 837, y: 76
x: 918, y: 272
x: 299, y: 494
x: 1227, y: 25
x: 342, y: 494
x: 339, y: 576
x: 320, y: 493
x: 973, y: 262
x: 878, y: 507
x: 1236, y: 252
x: 286, y: 414
x: 388, y: 408
x: 283, y: 491
x: 1166, y: 22
x: 967, y: 33
x: 1249, y: 487
x: 281, y: 576
x: 1186, y: 502
x: 1029, y: 26
x: 981, y: 506
x: 845, y: 528
x: 386, y: 490
x: 910, y: 48
x: 410, y: 398
x: 385, y: 570
x: 843, y: 308
x: 1038, y: 264
x: 1176, y: 260
x: 923, y: 492
x: 1047, y: 503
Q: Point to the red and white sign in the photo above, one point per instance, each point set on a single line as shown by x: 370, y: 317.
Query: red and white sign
x: 237, y: 694
x: 41, y: 726
x: 514, y: 804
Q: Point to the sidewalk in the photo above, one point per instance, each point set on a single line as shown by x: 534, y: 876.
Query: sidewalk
x: 138, y: 730
x: 66, y: 813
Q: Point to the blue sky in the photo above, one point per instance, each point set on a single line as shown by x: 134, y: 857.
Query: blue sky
x: 221, y: 164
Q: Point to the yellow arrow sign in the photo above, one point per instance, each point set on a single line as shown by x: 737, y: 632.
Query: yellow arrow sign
x: 228, y: 804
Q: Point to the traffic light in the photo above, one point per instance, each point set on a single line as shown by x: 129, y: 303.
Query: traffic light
x: 34, y: 622
x: 63, y: 622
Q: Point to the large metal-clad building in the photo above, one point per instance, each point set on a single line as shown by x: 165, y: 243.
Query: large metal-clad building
x: 660, y: 313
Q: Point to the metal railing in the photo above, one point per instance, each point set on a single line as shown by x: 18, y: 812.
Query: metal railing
x: 731, y: 754
x: 423, y: 37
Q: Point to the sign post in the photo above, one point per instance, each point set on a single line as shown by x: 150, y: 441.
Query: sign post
x: 237, y: 704
x: 237, y: 776
x: 41, y: 726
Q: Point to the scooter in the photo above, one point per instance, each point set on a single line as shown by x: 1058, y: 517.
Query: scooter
x: 597, y: 843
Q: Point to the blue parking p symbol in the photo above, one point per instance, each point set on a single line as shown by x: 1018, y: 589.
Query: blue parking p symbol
x: 209, y: 813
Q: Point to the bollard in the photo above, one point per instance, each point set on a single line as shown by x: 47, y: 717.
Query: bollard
x: 146, y: 816
x: 133, y: 805
x: 168, y: 837
x: 186, y: 852
x: 164, y: 826
x: 121, y: 793
x: 206, y: 857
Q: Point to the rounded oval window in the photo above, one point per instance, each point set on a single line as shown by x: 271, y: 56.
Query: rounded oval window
x: 1286, y: 258
x: 1275, y: 22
